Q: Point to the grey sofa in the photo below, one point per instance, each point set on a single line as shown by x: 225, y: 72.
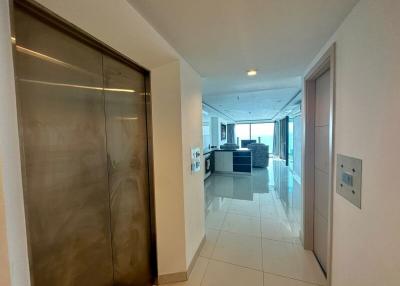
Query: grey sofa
x: 260, y: 154
x: 229, y: 146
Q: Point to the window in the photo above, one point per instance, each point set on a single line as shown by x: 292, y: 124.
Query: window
x: 242, y: 132
x: 261, y: 132
x: 291, y: 143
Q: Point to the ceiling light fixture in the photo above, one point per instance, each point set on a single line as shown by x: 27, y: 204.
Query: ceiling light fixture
x: 252, y: 72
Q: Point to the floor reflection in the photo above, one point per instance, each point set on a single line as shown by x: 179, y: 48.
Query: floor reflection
x: 276, y: 182
x: 241, y: 187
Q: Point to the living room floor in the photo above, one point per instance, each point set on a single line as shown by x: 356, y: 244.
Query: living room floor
x: 252, y: 236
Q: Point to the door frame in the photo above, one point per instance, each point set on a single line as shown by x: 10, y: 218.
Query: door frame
x: 325, y: 63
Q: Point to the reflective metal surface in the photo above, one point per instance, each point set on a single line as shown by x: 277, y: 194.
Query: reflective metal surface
x: 83, y: 132
x: 66, y: 187
x: 128, y: 174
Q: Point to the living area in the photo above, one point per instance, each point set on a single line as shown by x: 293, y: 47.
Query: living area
x: 237, y: 156
x: 252, y: 179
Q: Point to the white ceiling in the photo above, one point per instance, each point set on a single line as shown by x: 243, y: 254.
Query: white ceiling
x: 222, y: 39
x: 261, y: 105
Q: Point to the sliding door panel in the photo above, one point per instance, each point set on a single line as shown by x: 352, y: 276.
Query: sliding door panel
x: 128, y: 173
x: 321, y: 206
x: 62, y: 123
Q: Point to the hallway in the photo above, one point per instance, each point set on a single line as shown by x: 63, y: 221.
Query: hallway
x: 253, y: 225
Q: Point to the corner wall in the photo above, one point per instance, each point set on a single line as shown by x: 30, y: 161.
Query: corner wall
x: 192, y: 136
x: 366, y: 242
x: 168, y: 178
x: 216, y: 131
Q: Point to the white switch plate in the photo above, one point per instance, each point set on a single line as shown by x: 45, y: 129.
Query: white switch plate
x: 196, y: 160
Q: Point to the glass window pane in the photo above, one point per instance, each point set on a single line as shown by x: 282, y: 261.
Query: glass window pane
x: 291, y: 143
x: 242, y: 132
x: 263, y: 133
x: 297, y: 143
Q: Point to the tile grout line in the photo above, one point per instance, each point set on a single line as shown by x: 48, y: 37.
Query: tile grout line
x: 291, y: 278
x: 215, y: 244
x: 234, y: 264
x: 220, y: 230
x: 205, y: 272
x: 261, y: 237
x: 236, y: 213
x: 261, y: 241
x: 265, y: 272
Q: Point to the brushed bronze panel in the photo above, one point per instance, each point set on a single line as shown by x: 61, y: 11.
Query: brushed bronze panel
x: 62, y: 122
x: 128, y: 173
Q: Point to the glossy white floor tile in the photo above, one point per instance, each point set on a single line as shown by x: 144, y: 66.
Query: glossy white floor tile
x: 271, y: 211
x: 244, y: 207
x: 242, y: 224
x: 209, y: 272
x: 197, y: 274
x: 214, y: 220
x: 224, y: 274
x: 215, y: 212
x: 253, y: 228
x: 291, y: 260
x: 278, y: 229
x: 211, y: 239
x: 274, y: 280
x: 238, y: 249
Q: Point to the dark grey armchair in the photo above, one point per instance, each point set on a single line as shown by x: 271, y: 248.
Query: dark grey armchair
x: 260, y: 154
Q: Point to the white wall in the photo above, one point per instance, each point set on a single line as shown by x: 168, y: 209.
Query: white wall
x: 11, y: 183
x: 191, y: 108
x: 215, y: 118
x: 216, y: 131
x: 366, y: 242
x: 179, y: 195
x: 206, y: 130
x: 167, y: 149
x: 120, y: 26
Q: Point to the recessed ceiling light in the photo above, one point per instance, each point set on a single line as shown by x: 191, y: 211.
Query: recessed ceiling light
x: 252, y: 72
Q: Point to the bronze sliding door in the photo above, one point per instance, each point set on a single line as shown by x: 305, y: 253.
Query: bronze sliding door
x: 128, y: 172
x: 83, y: 129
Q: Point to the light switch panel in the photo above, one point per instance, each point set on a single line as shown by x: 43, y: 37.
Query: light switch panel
x: 349, y: 179
x: 195, y: 160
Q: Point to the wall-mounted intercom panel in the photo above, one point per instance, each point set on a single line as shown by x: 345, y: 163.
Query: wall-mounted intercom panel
x: 349, y: 179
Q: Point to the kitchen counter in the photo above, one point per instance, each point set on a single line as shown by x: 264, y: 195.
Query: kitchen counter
x: 207, y: 151
x: 233, y: 150
x: 233, y: 161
